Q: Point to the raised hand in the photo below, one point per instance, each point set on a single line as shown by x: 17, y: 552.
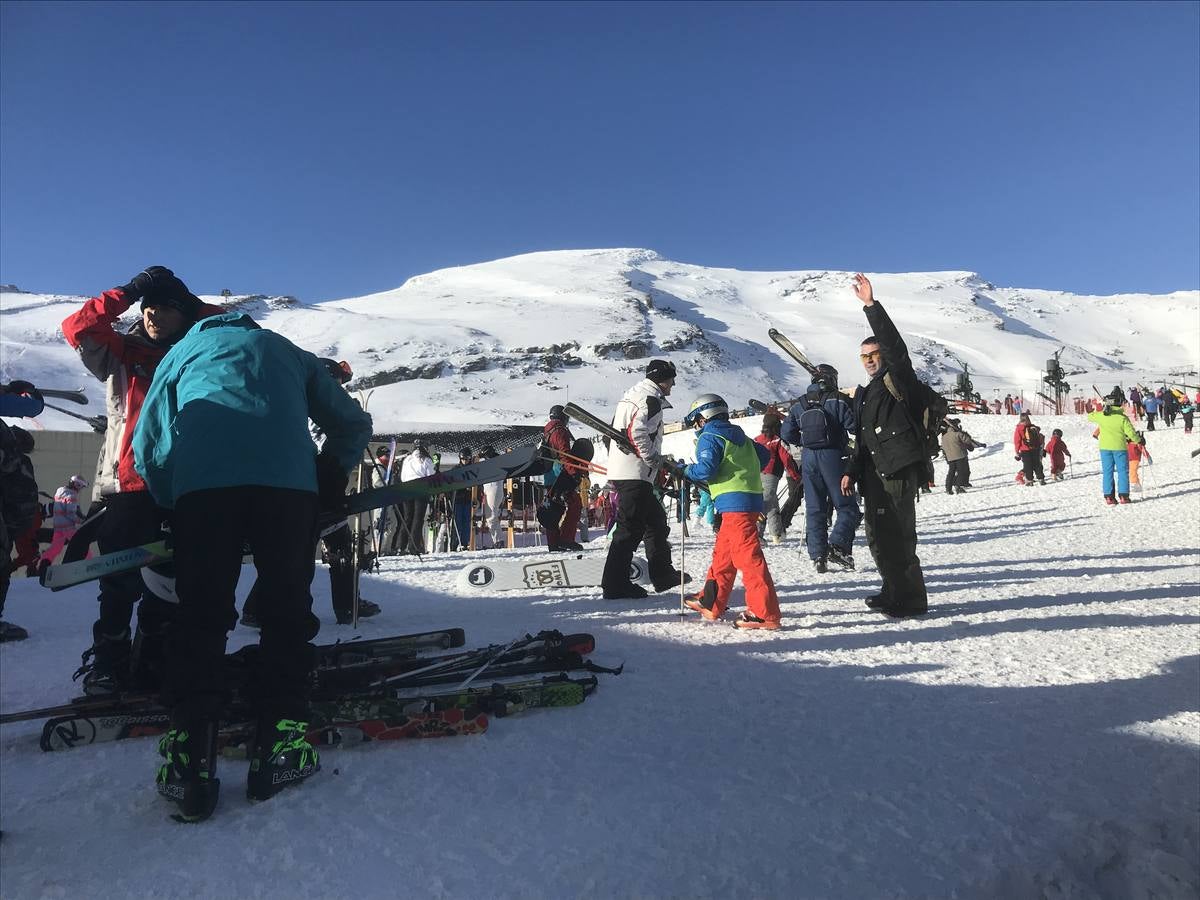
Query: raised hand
x: 862, y: 289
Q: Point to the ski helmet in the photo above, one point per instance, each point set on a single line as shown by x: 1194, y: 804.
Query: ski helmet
x: 557, y: 412
x: 488, y: 452
x: 1116, y: 395
x: 827, y: 376
x: 464, y: 453
x: 708, y: 406
x: 77, y: 483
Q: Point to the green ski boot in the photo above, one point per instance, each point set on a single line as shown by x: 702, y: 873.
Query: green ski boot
x: 282, y: 757
x: 187, y: 776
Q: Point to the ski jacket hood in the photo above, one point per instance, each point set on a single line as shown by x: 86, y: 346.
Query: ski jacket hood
x: 731, y: 464
x: 225, y: 392
x: 639, y: 415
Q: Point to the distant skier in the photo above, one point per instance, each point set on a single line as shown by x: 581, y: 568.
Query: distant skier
x: 1115, y: 433
x: 956, y: 445
x: 561, y: 530
x: 251, y: 387
x: 493, y: 502
x: 640, y: 515
x: 779, y: 465
x: 66, y: 516
x: 1029, y: 445
x: 1057, y: 450
x: 731, y: 464
x: 418, y: 464
x: 1151, y: 404
x: 460, y: 510
x: 1187, y: 409
x: 821, y: 424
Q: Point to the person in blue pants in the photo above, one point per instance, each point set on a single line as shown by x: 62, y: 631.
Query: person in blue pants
x: 821, y: 425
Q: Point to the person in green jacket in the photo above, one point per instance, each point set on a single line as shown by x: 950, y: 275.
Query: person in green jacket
x: 223, y: 442
x: 1115, y: 431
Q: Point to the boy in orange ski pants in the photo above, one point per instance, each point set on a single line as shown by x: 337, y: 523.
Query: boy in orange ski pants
x: 731, y: 464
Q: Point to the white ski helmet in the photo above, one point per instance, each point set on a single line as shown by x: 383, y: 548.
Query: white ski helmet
x: 77, y: 483
x: 706, y: 405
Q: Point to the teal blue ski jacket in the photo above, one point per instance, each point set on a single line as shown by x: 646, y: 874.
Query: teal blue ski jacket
x: 229, y: 406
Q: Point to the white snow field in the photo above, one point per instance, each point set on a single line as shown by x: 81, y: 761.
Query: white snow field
x: 501, y: 341
x: 1037, y: 734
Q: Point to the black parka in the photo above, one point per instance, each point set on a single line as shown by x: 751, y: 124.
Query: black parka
x: 888, y: 438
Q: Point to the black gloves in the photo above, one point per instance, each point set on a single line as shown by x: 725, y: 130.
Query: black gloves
x: 22, y: 387
x: 149, y: 282
x: 331, y: 481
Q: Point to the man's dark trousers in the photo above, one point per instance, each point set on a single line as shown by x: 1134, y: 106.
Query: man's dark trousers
x: 891, y: 518
x: 209, y: 527
x: 639, y: 517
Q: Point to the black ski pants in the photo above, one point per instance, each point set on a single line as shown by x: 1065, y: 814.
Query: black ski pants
x: 338, y: 545
x: 129, y: 519
x: 958, y: 475
x: 890, y: 505
x: 795, y: 493
x: 412, y: 524
x: 640, y: 517
x: 1031, y: 465
x: 209, y: 528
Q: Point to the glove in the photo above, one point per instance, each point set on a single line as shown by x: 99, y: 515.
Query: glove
x: 674, y: 467
x: 1017, y: 457
x: 150, y: 281
x: 331, y: 481
x: 22, y: 387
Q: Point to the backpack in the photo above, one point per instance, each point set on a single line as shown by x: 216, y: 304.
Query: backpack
x: 814, y: 425
x: 931, y: 408
x: 1033, y: 437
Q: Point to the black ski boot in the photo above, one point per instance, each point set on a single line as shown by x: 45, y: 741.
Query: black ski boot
x: 188, y: 774
x: 11, y: 632
x: 104, y: 666
x: 282, y: 757
x: 821, y: 565
x: 672, y: 579
x: 841, y: 557
x: 366, y: 609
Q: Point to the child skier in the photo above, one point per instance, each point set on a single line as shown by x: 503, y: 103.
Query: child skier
x: 66, y: 516
x: 731, y: 463
x: 1056, y: 447
x: 1115, y: 433
x: 1137, y: 452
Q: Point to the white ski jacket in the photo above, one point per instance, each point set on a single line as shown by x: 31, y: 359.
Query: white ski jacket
x: 639, y: 416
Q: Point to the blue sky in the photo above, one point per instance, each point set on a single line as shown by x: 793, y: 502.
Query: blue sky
x: 331, y: 150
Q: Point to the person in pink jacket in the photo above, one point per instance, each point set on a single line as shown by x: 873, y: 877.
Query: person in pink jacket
x: 66, y: 517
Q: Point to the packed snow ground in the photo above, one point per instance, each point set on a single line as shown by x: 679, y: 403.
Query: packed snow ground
x: 1036, y: 734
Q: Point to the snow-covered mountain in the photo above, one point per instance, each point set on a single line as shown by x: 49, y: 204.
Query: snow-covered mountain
x: 499, y: 342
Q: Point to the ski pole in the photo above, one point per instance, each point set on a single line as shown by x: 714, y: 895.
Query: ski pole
x: 491, y: 659
x: 683, y: 533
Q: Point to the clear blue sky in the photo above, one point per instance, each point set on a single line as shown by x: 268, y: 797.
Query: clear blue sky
x: 331, y: 150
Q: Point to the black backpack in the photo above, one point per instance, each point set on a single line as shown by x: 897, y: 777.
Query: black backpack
x: 928, y: 411
x: 814, y: 424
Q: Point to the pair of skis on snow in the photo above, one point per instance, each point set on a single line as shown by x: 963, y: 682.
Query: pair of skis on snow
x: 366, y: 691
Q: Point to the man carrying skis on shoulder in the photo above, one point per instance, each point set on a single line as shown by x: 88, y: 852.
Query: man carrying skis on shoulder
x: 822, y: 424
x: 640, y: 515
x: 225, y: 391
x: 731, y: 464
x: 125, y: 361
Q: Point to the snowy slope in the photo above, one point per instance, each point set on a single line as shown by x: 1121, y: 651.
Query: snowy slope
x: 1036, y: 735
x: 500, y: 341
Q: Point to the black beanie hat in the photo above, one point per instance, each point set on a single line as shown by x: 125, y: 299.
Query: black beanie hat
x: 176, y: 295
x: 660, y: 370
